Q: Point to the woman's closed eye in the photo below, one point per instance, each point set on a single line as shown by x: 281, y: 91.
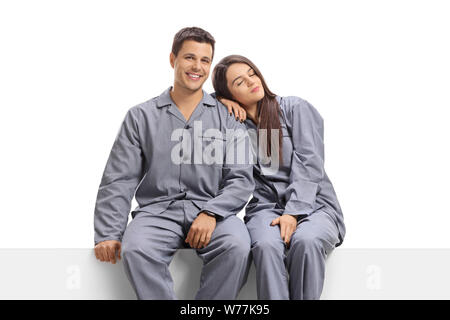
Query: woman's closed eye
x: 243, y: 80
x: 250, y: 75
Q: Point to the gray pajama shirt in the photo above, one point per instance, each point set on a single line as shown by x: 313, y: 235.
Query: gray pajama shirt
x: 177, y: 169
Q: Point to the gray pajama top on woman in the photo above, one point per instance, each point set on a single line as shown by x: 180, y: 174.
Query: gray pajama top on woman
x: 300, y: 186
x: 158, y: 158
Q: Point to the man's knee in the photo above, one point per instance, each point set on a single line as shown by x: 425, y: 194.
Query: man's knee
x: 130, y: 247
x: 236, y: 246
x: 135, y: 246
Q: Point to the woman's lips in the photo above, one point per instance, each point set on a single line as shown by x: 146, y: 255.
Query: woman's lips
x: 255, y: 89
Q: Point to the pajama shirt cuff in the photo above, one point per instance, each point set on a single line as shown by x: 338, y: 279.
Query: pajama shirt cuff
x: 299, y: 208
x: 97, y: 241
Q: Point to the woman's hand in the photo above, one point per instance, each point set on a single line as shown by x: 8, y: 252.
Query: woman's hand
x: 288, y: 224
x: 234, y: 107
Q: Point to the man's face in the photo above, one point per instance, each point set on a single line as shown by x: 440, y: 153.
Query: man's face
x: 192, y: 64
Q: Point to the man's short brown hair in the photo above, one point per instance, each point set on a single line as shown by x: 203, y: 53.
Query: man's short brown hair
x: 192, y: 33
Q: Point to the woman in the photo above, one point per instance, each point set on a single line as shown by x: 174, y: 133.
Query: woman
x: 294, y: 218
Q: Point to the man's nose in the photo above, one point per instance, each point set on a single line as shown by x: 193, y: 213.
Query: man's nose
x: 196, y: 66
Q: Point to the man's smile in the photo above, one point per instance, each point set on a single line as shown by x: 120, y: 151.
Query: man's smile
x: 193, y: 76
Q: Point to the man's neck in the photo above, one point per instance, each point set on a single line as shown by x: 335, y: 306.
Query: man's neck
x: 184, y: 98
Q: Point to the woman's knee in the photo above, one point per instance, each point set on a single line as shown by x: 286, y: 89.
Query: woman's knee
x: 306, y: 241
x: 268, y: 246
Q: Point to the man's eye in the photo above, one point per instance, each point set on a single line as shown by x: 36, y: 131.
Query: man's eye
x: 239, y: 83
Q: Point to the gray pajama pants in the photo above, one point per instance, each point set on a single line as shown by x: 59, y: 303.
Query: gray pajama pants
x: 298, y: 272
x: 151, y: 239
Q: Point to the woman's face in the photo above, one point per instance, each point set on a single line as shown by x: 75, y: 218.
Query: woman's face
x: 244, y: 84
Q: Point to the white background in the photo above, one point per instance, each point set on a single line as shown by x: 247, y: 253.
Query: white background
x: 377, y: 71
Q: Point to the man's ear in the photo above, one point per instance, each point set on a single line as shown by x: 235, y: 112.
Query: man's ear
x: 172, y: 59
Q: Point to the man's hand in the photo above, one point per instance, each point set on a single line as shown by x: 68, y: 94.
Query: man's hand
x: 201, y: 230
x: 106, y: 250
x: 288, y: 224
x: 234, y: 107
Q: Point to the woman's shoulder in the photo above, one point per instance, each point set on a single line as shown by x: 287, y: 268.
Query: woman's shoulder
x: 294, y: 106
x: 291, y: 103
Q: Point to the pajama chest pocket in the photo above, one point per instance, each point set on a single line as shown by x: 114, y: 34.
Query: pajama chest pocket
x: 287, y: 146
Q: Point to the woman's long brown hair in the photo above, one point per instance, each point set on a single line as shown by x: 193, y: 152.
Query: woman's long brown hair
x: 268, y: 109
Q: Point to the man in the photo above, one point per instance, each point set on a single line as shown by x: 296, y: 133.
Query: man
x: 162, y: 155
